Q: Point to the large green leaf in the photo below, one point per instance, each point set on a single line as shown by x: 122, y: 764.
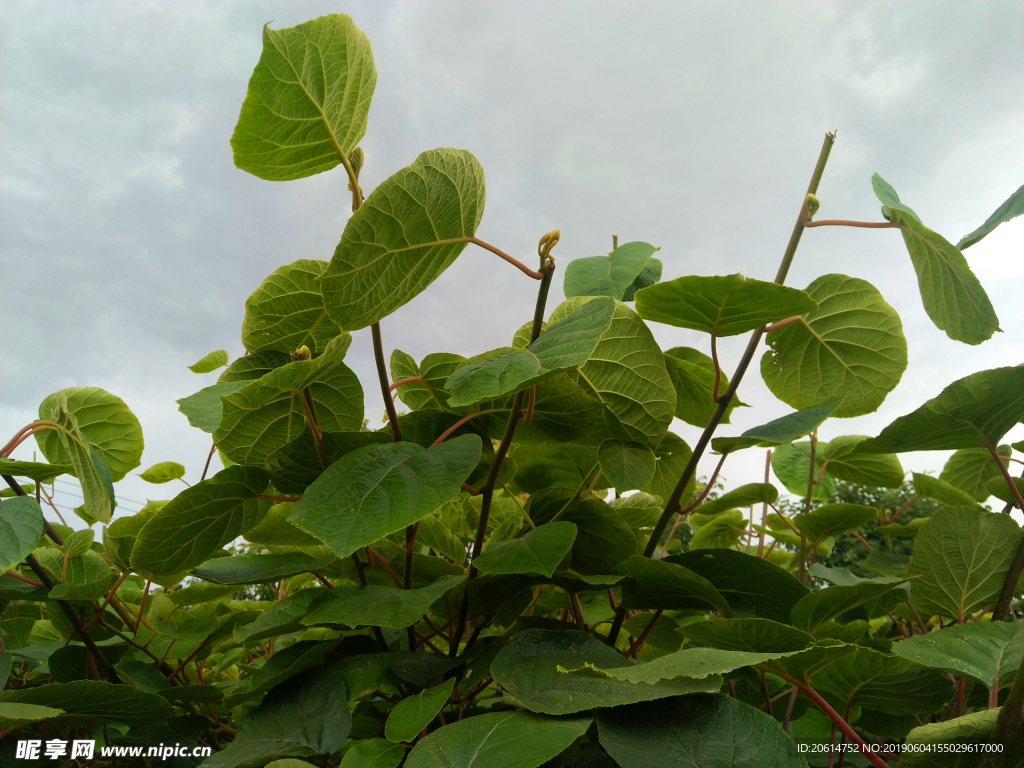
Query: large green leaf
x: 833, y: 519
x: 283, y: 665
x: 626, y: 372
x: 691, y: 663
x: 791, y: 463
x: 205, y: 408
x: 372, y: 753
x: 294, y: 466
x: 539, y: 551
x: 96, y: 701
x: 15, y: 714
x: 379, y: 489
x: 852, y: 347
x: 355, y: 606
x: 815, y: 610
x: 610, y: 275
x: 1012, y: 207
x: 883, y: 683
x: 21, y: 527
x: 565, y: 344
x: 497, y: 740
x: 93, y: 473
x: 694, y: 732
x: 414, y: 713
x: 105, y: 421
x: 259, y: 569
x: 648, y: 276
x: 603, y: 539
x: 972, y: 412
x: 308, y: 716
x: 672, y: 454
x: 717, y: 531
x: 661, y: 584
x: 410, y: 230
x: 287, y: 311
x: 693, y: 376
x: 38, y: 471
x: 840, y: 458
x: 807, y: 663
x: 282, y: 617
x: 542, y: 467
x: 784, y: 429
x: 746, y: 579
x: 952, y: 295
x: 252, y: 367
x: 744, y: 496
x: 989, y: 652
x: 559, y: 673
x: 307, y: 101
x: 939, y: 490
x: 200, y: 520
x: 971, y: 469
x: 86, y: 576
x: 751, y: 635
x: 267, y: 414
x: 961, y: 557
x: 628, y: 466
x: 275, y: 530
x: 724, y: 306
x: 434, y: 370
x: 952, y: 743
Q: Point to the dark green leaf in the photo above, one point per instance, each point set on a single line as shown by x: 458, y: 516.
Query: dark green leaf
x: 815, y: 610
x: 689, y: 663
x: 205, y: 408
x: 627, y: 465
x: 988, y: 652
x: 786, y: 429
x: 254, y: 366
x: 41, y: 473
x: 954, y: 737
x: 672, y: 454
x: 372, y: 753
x: 693, y: 376
x: 259, y: 569
x: 354, y: 606
x: 612, y: 275
x: 287, y: 311
x: 283, y: 665
x: 717, y: 531
x: 661, y: 584
x: 833, y: 519
x: 379, y: 489
x: 1012, y: 207
x: 603, y: 540
x: 294, y: 466
x: 744, y: 496
x: 539, y: 551
x: 414, y: 713
x: 307, y: 101
x: 723, y: 306
x: 791, y: 463
x: 95, y: 700
x: 648, y: 276
x: 971, y: 469
x: 21, y: 527
x: 751, y: 635
x: 841, y: 460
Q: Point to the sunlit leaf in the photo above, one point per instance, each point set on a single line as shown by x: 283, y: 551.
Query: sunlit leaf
x: 210, y: 361
x: 693, y: 375
x: 287, y: 311
x: 163, y: 472
x: 785, y: 429
x: 21, y: 527
x: 841, y: 459
x: 791, y: 463
x: 971, y: 469
x: 612, y: 275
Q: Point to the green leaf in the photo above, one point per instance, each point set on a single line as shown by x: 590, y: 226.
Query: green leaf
x: 610, y: 275
x: 41, y: 473
x: 20, y: 714
x: 952, y: 295
x: 807, y: 663
x: 691, y: 663
x: 354, y: 606
x: 842, y: 460
x: 259, y: 569
x: 751, y: 635
x: 542, y: 467
x: 497, y: 740
x: 603, y: 540
x: 200, y: 520
x: 939, y: 490
x: 372, y: 753
x: 988, y: 652
x: 815, y: 610
x: 254, y: 366
x: 883, y: 683
x: 724, y: 306
x: 210, y: 362
x: 851, y: 347
x: 282, y: 666
x: 94, y: 700
x: 294, y: 466
x: 559, y: 673
x: 744, y: 496
x: 672, y: 454
x: 410, y: 230
x: 105, y: 421
x: 961, y: 558
x: 910, y: 530
x: 287, y: 311
x: 627, y: 373
x: 565, y: 344
x: 768, y: 589
x: 833, y: 519
x: 1012, y: 207
x: 785, y: 429
x: 205, y: 408
x: 693, y: 376
x: 267, y: 414
x: 79, y: 542
x: 997, y: 487
x: 972, y: 412
x: 648, y: 276
x: 791, y: 463
x: 200, y: 592
x: 275, y: 530
x: 93, y: 473
x: 539, y: 551
x: 21, y: 527
x: 6, y: 663
x: 696, y: 731
x: 628, y: 466
x: 119, y: 537
x: 923, y: 744
x: 379, y: 489
x: 308, y: 716
x: 282, y: 617
x: 163, y: 472
x: 434, y: 370
x: 414, y: 713
x: 971, y: 469
x: 717, y: 532
x: 307, y: 101
x: 661, y: 584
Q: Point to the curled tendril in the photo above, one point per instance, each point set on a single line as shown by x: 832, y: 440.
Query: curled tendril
x: 813, y: 204
x: 547, y: 242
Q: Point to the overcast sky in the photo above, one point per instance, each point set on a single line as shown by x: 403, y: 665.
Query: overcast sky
x: 129, y: 242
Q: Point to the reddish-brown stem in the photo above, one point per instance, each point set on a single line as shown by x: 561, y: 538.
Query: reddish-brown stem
x: 993, y: 691
x: 1006, y: 476
x: 707, y: 488
x: 20, y: 436
x: 764, y: 507
x: 906, y: 504
x: 718, y: 368
x: 471, y: 490
x: 513, y: 261
x: 142, y: 606
x: 448, y: 432
x: 920, y: 623
x: 767, y: 696
x: 426, y: 641
x: 862, y: 540
x: 847, y: 223
x: 206, y: 466
x: 821, y: 474
x: 406, y: 380
x: 185, y: 662
x: 636, y: 646
x: 19, y: 577
x: 782, y: 323
x: 840, y: 722
x: 110, y: 596
x: 323, y: 580
x: 611, y: 599
x: 1017, y: 566
x: 372, y: 553
x: 528, y: 417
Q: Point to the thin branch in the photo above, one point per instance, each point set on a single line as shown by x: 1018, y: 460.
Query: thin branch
x: 26, y: 579
x: 372, y: 553
x: 636, y: 646
x: 513, y: 261
x: 206, y: 466
x: 847, y: 223
x: 718, y: 368
x: 448, y: 432
x: 407, y: 380
x: 764, y: 514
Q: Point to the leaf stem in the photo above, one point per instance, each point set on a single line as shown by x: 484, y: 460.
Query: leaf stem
x: 406, y: 380
x: 718, y: 368
x: 840, y: 722
x: 807, y: 507
x: 21, y: 435
x: 847, y: 223
x: 448, y: 432
x: 1017, y: 566
x: 206, y: 466
x: 513, y: 261
x: 636, y: 646
x: 764, y: 524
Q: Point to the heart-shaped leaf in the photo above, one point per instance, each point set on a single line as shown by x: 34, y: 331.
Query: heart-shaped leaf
x: 988, y: 652
x: 287, y: 311
x: 693, y: 375
x: 414, y: 713
x: 21, y: 527
x: 612, y: 275
x: 785, y: 429
x: 971, y: 469
x: 539, y: 551
x: 628, y: 466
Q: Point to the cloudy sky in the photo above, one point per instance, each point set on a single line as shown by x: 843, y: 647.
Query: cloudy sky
x: 129, y: 242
